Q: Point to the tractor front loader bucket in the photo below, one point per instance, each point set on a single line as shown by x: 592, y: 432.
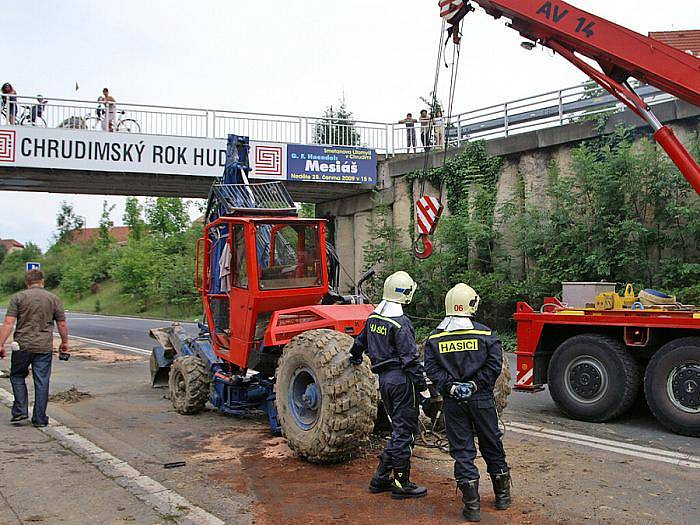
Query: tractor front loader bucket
x: 161, y: 357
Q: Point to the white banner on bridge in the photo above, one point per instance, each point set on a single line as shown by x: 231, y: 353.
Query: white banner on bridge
x: 34, y: 147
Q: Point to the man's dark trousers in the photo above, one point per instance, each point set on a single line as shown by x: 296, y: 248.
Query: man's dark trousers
x: 461, y: 421
x: 41, y: 372
x: 401, y: 405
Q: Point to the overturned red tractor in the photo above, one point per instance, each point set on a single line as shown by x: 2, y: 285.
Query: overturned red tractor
x: 276, y: 338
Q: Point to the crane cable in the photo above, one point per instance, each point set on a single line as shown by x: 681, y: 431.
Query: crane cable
x: 450, y: 101
x: 427, y: 134
x: 433, y: 103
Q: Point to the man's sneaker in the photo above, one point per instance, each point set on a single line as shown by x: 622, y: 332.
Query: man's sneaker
x: 17, y: 419
x: 40, y: 425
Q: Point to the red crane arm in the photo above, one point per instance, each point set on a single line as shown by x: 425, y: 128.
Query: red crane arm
x: 620, y: 52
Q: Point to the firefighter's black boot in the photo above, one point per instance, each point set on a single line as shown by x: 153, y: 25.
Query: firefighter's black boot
x: 381, y: 481
x: 501, y: 488
x: 471, y: 500
x: 403, y: 487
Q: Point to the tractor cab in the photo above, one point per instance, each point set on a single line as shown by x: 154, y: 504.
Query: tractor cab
x: 254, y: 266
x: 263, y: 271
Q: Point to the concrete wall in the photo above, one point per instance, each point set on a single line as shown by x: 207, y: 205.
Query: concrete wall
x: 527, y: 157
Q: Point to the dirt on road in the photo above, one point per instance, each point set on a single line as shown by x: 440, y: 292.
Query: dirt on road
x: 289, y: 490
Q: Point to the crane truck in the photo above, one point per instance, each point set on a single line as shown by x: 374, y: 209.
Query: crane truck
x: 596, y: 358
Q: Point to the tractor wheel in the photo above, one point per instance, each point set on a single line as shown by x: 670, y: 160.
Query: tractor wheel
x: 326, y: 406
x: 501, y: 389
x: 592, y: 377
x: 672, y: 385
x: 188, y: 384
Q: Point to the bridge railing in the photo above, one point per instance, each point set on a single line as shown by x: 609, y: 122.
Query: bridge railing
x: 93, y: 116
x: 555, y: 108
x: 551, y: 109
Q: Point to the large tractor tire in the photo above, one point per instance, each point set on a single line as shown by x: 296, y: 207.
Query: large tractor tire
x: 188, y: 384
x: 672, y: 385
x: 592, y: 377
x: 326, y: 406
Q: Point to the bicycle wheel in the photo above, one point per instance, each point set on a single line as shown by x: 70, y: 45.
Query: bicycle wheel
x: 92, y: 123
x: 39, y: 122
x: 128, y: 126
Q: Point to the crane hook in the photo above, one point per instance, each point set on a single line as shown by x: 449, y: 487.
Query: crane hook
x: 427, y: 248
x: 428, y: 212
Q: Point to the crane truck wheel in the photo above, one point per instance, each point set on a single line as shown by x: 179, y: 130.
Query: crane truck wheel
x: 188, y: 384
x: 592, y: 377
x: 326, y: 406
x: 672, y: 385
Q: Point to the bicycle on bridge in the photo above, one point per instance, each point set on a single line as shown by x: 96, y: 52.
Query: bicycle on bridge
x: 120, y: 124
x: 32, y: 115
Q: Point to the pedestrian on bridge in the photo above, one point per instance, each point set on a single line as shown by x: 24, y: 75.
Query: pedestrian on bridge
x: 34, y: 311
x: 9, y: 102
x: 410, y: 123
x: 425, y: 129
x: 108, y: 111
x: 463, y: 359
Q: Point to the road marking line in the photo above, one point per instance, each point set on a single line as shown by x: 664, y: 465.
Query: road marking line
x: 115, y: 345
x: 601, y: 444
x: 619, y: 444
x: 164, y: 501
x: 98, y: 316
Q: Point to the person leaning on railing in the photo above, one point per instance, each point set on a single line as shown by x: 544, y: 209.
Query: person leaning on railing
x: 439, y: 128
x: 410, y: 123
x: 9, y: 103
x: 107, y: 112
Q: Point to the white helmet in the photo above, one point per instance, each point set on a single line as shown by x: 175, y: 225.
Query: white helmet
x: 461, y: 301
x: 399, y: 288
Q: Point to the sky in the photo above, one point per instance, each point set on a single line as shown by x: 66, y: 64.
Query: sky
x: 276, y: 56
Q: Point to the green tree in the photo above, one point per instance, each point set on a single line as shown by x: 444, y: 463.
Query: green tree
x: 307, y: 210
x: 106, y: 222
x: 167, y: 215
x: 432, y: 102
x: 133, y: 217
x: 337, y: 127
x: 12, y: 267
x: 67, y: 221
x: 3, y: 252
x: 137, y: 271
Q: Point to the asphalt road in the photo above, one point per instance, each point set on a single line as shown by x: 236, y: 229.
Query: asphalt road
x: 637, y: 426
x: 237, y: 472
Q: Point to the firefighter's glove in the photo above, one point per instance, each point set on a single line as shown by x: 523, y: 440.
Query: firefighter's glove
x: 462, y: 391
x: 357, y: 361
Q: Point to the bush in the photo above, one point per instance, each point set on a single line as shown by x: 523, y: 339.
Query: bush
x: 624, y: 215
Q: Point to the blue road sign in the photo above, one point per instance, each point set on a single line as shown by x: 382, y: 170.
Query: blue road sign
x: 33, y: 266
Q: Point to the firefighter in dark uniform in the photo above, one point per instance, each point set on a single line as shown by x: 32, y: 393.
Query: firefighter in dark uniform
x: 463, y: 359
x: 390, y: 342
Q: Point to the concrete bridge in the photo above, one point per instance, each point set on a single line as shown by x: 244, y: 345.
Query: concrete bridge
x: 179, y: 152
x: 61, y: 146
x: 527, y: 160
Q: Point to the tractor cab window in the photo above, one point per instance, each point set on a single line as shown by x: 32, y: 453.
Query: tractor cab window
x: 240, y: 271
x: 288, y: 256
